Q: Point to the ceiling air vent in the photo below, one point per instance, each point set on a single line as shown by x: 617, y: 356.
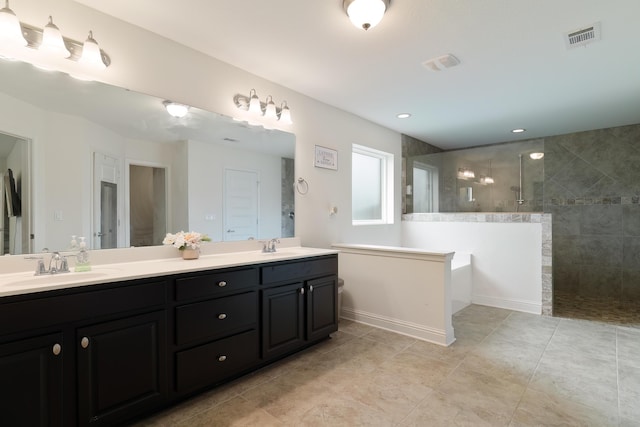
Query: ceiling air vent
x: 583, y: 36
x: 441, y: 63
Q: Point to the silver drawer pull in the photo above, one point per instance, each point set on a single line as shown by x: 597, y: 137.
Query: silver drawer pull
x: 222, y: 283
x: 310, y: 288
x: 84, y: 342
x: 302, y: 291
x: 222, y: 358
x: 222, y: 316
x: 57, y: 348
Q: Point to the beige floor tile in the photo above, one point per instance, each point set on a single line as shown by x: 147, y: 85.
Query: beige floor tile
x: 235, y: 412
x: 590, y: 382
x: 340, y: 411
x: 190, y: 408
x: 437, y: 410
x: 542, y: 409
x: 354, y: 328
x: 629, y: 391
x: 397, y: 341
x: 481, y: 388
x: 628, y: 344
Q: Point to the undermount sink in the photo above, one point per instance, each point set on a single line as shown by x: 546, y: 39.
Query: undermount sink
x: 29, y: 279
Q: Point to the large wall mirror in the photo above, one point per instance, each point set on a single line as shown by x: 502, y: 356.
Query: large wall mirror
x: 111, y: 165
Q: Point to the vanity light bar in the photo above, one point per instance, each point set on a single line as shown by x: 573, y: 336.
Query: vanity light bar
x: 33, y: 36
x: 267, y: 110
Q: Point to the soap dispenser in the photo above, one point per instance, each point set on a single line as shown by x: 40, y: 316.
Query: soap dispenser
x: 82, y: 259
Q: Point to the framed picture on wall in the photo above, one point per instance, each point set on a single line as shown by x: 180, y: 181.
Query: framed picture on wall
x: 326, y: 158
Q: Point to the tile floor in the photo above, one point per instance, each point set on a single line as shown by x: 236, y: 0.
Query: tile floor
x: 505, y: 369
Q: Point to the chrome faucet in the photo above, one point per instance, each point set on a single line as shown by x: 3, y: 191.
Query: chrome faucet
x: 57, y: 264
x: 270, y: 245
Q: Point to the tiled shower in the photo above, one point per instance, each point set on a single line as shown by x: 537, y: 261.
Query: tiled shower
x: 589, y: 181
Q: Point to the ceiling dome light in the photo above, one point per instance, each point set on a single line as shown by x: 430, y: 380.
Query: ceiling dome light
x: 91, y: 54
x: 403, y: 115
x: 365, y: 14
x: 10, y: 29
x: 536, y: 156
x: 520, y: 130
x: 52, y: 42
x: 175, y: 109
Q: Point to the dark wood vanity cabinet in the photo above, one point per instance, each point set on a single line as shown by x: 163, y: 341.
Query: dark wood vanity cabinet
x: 299, y: 304
x: 106, y: 354
x: 216, y: 327
x: 121, y: 368
x: 31, y: 381
x: 92, y: 355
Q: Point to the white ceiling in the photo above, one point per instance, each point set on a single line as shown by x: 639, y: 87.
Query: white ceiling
x: 515, y: 69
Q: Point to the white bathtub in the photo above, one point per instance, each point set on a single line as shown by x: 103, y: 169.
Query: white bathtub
x: 461, y: 281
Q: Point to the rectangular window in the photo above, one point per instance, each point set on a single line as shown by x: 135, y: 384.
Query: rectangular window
x: 371, y: 186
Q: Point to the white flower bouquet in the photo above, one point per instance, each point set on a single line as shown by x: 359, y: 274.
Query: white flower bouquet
x: 182, y: 240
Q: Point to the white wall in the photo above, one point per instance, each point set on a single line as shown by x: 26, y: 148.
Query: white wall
x: 506, y: 258
x: 148, y: 63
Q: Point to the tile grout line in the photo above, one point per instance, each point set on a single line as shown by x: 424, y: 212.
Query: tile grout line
x: 618, y: 375
x: 526, y: 387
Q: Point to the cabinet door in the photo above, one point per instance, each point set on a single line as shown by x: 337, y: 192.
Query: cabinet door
x: 322, y: 310
x: 31, y: 378
x: 121, y: 368
x: 282, y: 319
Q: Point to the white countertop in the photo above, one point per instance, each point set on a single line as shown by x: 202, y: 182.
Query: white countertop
x: 27, y: 282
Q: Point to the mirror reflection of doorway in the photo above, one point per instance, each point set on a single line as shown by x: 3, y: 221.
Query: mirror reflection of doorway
x: 147, y: 205
x: 15, y: 215
x: 106, y: 174
x: 241, y: 192
x: 108, y: 215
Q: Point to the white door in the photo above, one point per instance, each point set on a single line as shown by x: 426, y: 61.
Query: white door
x: 106, y: 176
x: 241, y: 194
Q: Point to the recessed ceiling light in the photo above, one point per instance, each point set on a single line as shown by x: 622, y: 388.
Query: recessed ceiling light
x: 403, y: 115
x: 518, y: 130
x: 536, y: 156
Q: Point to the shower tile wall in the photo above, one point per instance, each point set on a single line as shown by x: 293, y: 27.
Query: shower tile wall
x: 592, y: 188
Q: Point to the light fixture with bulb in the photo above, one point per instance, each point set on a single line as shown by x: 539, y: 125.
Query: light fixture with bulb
x: 175, y: 109
x: 365, y: 14
x: 536, y: 156
x: 46, y: 47
x: 264, y: 113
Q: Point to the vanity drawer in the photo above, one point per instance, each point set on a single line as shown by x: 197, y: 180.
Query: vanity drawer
x: 216, y: 318
x: 215, y: 283
x: 308, y: 268
x: 211, y: 363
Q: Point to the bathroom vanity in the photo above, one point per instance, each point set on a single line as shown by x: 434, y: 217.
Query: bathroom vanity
x: 149, y: 334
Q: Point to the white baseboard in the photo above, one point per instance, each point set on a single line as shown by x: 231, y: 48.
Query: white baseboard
x: 509, y: 304
x: 436, y: 336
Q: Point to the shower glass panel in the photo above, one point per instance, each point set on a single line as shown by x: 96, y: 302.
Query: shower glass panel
x: 481, y: 179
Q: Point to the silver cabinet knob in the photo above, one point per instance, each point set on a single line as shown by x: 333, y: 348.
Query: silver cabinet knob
x: 222, y: 358
x: 310, y: 288
x: 302, y: 291
x: 84, y: 342
x: 57, y: 348
x: 222, y: 316
x: 222, y: 283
